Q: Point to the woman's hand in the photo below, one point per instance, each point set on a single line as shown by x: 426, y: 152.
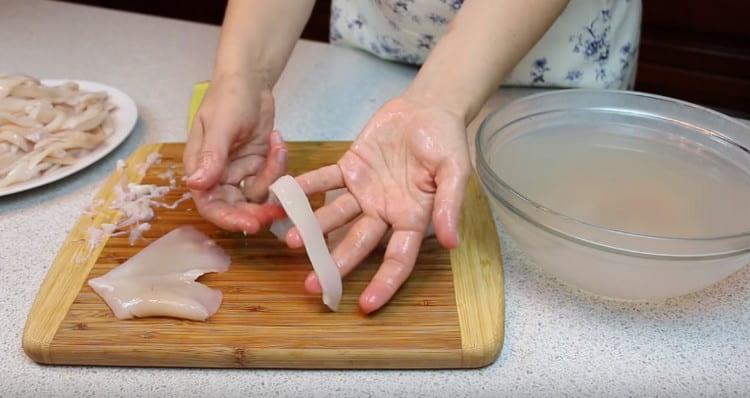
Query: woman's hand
x: 233, y: 155
x: 408, y: 166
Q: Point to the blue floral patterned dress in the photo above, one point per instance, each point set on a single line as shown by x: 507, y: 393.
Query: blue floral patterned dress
x: 593, y: 43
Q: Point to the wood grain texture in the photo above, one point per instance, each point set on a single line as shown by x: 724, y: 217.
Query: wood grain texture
x: 449, y: 314
x: 476, y: 280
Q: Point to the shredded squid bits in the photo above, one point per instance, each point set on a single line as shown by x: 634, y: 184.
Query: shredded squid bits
x: 135, y: 202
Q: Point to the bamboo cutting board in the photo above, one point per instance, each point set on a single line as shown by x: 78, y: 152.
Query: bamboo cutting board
x: 449, y: 314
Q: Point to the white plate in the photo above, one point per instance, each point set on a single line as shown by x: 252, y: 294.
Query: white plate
x: 124, y: 117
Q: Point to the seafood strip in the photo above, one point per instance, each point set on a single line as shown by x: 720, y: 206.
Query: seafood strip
x: 44, y: 128
x: 297, y: 207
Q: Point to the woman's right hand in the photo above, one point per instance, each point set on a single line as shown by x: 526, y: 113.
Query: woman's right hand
x: 233, y: 154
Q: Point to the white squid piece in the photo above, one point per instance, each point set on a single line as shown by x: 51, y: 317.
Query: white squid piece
x: 297, y: 207
x: 160, y: 279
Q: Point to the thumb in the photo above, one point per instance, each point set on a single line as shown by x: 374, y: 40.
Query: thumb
x: 275, y: 167
x: 211, y: 160
x: 451, y: 182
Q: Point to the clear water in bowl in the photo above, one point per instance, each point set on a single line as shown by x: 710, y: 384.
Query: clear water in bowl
x: 626, y: 177
x: 625, y: 195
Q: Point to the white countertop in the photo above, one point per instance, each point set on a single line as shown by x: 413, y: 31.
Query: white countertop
x: 558, y: 341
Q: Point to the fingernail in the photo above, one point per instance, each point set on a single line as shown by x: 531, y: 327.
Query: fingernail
x: 281, y: 157
x: 371, y: 299
x: 312, y: 284
x: 251, y: 227
x: 275, y: 138
x: 369, y: 303
x: 196, y: 176
x: 294, y: 240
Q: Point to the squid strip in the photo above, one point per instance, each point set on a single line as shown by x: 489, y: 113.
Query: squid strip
x: 43, y: 128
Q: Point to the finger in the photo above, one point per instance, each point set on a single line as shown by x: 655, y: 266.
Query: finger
x: 275, y: 167
x: 193, y: 146
x: 211, y: 160
x: 226, y: 207
x: 331, y: 216
x: 451, y: 182
x: 248, y: 149
x: 323, y: 179
x: 224, y: 215
x: 264, y: 213
x: 242, y: 167
x: 398, y: 263
x: 361, y: 239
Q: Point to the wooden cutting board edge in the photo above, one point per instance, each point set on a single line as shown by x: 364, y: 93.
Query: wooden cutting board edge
x: 477, y: 277
x: 56, y: 292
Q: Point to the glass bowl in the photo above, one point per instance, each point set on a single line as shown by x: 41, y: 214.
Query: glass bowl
x: 621, y: 194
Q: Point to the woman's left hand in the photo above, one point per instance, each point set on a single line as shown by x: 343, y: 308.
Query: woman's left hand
x: 409, y: 166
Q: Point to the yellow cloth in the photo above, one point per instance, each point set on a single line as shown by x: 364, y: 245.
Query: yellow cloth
x: 199, y: 90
